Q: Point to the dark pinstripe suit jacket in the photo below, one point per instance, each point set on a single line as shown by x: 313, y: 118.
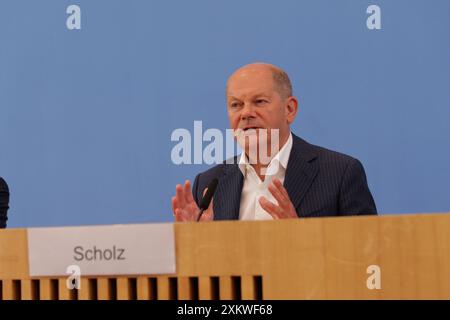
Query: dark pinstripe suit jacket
x: 4, y: 200
x: 320, y: 183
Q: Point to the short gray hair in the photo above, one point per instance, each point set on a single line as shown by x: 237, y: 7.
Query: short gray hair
x: 282, y: 82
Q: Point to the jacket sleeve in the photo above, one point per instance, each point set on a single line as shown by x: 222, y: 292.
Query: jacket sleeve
x: 355, y: 197
x: 4, y: 202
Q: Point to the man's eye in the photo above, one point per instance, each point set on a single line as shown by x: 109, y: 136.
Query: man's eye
x: 234, y: 105
x: 261, y: 101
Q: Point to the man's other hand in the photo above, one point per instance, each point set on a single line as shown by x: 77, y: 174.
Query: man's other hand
x: 284, y: 209
x: 185, y: 208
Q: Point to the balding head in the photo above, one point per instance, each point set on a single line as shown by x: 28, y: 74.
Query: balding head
x: 281, y: 82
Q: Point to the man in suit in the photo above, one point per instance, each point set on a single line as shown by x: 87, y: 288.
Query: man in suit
x: 299, y: 180
x: 4, y: 201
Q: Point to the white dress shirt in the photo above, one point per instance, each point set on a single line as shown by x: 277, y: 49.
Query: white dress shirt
x: 254, y: 188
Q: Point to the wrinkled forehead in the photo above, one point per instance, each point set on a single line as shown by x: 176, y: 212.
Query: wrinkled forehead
x: 249, y: 82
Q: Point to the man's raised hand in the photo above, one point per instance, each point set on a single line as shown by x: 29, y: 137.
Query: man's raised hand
x: 184, y: 206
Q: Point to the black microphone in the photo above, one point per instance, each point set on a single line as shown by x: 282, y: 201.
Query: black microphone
x: 206, y: 200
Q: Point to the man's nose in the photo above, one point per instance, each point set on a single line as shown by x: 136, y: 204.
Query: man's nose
x: 248, y: 112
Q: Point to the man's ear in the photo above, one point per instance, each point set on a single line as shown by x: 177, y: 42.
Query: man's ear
x: 291, y: 109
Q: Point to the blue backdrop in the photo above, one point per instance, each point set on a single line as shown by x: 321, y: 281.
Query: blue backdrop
x: 87, y: 115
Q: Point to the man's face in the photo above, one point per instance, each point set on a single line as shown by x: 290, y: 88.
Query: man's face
x: 253, y: 102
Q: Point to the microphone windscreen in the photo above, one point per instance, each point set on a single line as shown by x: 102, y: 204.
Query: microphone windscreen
x: 209, y: 194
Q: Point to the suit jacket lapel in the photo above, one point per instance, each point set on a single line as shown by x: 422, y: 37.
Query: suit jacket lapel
x: 227, y: 198
x: 301, y: 170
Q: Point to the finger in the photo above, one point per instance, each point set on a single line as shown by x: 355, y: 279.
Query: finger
x: 280, y: 187
x: 179, y: 216
x: 277, y: 195
x: 269, y: 207
x: 174, y: 204
x: 189, y: 196
x: 187, y: 191
x: 206, y: 217
x: 180, y: 196
x: 208, y: 214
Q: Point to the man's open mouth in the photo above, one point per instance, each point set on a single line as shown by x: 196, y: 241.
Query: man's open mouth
x: 251, y: 128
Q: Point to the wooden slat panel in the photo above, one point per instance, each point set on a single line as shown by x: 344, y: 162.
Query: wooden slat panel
x: 184, y: 288
x: 27, y: 290
x: 104, y: 289
x: 298, y: 259
x: 46, y: 291
x: 11, y: 290
x: 226, y: 288
x: 7, y: 289
x: 248, y: 288
x: 163, y: 288
x: 64, y: 292
x: 87, y: 290
x: 143, y: 288
x: 205, y: 288
x: 124, y: 290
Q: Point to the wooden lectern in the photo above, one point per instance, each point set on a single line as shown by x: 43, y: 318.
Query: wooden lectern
x: 317, y: 258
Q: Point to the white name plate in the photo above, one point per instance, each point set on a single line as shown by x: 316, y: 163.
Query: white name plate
x: 102, y: 250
